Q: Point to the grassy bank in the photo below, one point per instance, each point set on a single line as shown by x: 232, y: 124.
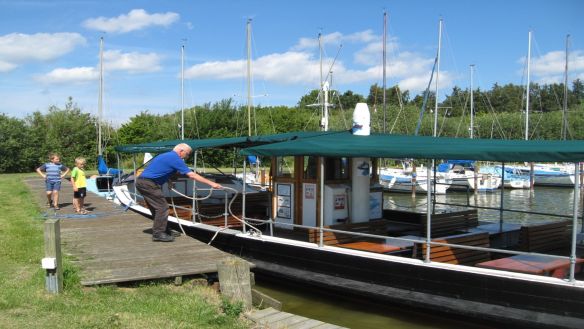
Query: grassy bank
x: 24, y: 303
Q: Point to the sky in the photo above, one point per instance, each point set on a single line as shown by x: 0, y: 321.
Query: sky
x: 49, y: 49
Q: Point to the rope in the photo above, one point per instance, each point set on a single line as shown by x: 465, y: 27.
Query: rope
x: 253, y: 230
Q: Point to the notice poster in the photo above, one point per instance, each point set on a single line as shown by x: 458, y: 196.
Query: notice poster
x: 284, y: 199
x: 309, y: 191
x: 340, y: 201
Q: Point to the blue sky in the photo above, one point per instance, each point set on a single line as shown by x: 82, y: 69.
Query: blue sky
x: 49, y: 50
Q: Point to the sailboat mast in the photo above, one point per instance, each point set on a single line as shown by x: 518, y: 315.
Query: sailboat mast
x: 565, y: 107
x: 100, y: 98
x: 182, y: 92
x: 435, y: 133
x: 528, y: 82
x: 249, y: 98
x: 384, y: 65
x: 471, y: 102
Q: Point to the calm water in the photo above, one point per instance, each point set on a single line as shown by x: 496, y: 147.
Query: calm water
x: 307, y: 302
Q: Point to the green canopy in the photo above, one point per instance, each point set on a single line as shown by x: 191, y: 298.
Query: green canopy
x: 345, y: 144
x: 165, y: 146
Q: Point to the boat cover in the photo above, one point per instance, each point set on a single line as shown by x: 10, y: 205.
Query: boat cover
x: 165, y: 146
x: 344, y: 144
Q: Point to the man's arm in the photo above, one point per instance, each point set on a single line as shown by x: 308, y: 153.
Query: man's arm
x: 194, y: 176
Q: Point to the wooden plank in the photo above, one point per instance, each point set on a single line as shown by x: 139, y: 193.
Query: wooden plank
x: 112, y: 246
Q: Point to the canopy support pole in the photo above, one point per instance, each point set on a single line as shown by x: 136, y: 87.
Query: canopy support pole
x: 321, y: 210
x: 429, y: 167
x: 243, y: 193
x: 135, y: 177
x: 501, y: 202
x: 194, y: 211
x: 575, y: 222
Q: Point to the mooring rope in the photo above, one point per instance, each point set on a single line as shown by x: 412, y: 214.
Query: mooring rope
x: 253, y: 230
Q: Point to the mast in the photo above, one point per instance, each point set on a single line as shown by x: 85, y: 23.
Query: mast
x: 100, y: 98
x: 324, y: 87
x: 249, y: 92
x: 528, y: 81
x: 182, y: 92
x: 435, y: 133
x: 471, y: 102
x: 384, y: 65
x: 565, y: 107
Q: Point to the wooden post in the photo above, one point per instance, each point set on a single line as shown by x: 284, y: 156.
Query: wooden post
x: 234, y: 280
x: 52, y: 262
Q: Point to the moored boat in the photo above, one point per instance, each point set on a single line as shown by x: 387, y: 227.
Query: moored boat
x: 351, y: 245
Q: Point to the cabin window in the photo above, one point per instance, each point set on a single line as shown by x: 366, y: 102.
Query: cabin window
x: 336, y: 168
x: 310, y: 167
x: 285, y: 166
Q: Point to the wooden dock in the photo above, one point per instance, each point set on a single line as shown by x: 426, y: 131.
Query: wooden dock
x: 111, y: 245
x: 273, y: 319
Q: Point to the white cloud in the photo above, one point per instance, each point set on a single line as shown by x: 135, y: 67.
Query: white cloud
x: 136, y: 19
x: 18, y: 48
x: 549, y: 68
x: 335, y: 38
x: 411, y: 70
x: 71, y: 75
x: 115, y: 60
x: 6, y: 66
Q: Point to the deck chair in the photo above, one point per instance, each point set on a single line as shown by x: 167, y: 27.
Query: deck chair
x: 103, y: 169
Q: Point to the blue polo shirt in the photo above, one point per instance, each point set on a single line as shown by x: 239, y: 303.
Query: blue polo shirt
x: 163, y: 166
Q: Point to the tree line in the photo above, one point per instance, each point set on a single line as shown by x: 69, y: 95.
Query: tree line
x: 499, y: 113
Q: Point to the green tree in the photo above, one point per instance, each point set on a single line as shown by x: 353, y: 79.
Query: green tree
x: 16, y: 147
x: 68, y: 132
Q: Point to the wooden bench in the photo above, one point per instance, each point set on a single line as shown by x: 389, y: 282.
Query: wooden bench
x: 376, y: 227
x: 547, y: 237
x: 455, y: 255
x: 443, y: 224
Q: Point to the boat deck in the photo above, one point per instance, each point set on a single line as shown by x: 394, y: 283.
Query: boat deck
x: 111, y: 245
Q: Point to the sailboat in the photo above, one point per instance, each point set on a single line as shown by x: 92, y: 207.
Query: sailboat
x: 546, y: 174
x: 106, y: 175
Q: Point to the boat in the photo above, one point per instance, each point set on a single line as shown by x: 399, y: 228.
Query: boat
x: 399, y: 180
x: 105, y: 178
x: 296, y: 240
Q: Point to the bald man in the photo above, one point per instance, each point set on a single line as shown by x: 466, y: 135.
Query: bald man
x: 150, y: 182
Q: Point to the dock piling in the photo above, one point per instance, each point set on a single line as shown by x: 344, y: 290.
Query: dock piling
x: 52, y: 262
x: 234, y: 280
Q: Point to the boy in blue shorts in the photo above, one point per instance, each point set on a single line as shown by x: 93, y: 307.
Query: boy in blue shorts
x: 52, y: 173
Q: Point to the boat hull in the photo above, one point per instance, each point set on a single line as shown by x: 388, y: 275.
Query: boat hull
x: 504, y: 297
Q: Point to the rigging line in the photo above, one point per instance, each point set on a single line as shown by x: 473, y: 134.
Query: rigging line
x: 426, y: 96
x: 445, y: 32
x: 490, y: 106
x: 463, y: 115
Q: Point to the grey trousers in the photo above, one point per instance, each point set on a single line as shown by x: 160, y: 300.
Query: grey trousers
x: 157, y: 204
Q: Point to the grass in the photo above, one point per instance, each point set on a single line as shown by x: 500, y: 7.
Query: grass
x: 24, y: 303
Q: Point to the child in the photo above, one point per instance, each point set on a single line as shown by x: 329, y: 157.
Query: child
x: 52, y: 175
x: 79, y: 186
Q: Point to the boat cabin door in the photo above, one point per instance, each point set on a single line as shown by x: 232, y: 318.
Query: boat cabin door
x: 297, y: 191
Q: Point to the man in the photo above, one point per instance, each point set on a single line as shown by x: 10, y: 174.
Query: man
x: 150, y: 182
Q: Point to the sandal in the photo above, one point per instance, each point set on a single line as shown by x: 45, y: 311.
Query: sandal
x: 56, y: 208
x: 84, y: 212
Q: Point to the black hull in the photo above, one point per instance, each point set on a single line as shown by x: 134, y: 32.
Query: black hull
x: 491, y: 298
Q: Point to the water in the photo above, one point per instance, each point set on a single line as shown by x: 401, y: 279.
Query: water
x: 546, y: 200
x: 309, y: 302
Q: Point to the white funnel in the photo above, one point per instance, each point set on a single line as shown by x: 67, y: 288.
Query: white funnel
x: 361, y: 120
